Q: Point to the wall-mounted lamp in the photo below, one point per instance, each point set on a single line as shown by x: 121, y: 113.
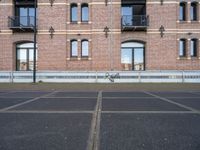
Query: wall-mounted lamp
x: 51, y: 2
x: 162, y: 30
x: 51, y: 31
x: 106, y: 30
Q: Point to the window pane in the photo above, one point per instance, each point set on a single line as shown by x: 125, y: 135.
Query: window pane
x: 31, y: 15
x: 85, y: 13
x: 74, y: 13
x: 182, y: 48
x: 85, y: 48
x: 193, y: 48
x: 126, y: 58
x: 22, y: 59
x: 30, y: 67
x: 193, y: 11
x: 23, y: 13
x: 32, y: 12
x: 138, y: 59
x: 74, y: 48
x: 127, y: 13
x: 182, y: 12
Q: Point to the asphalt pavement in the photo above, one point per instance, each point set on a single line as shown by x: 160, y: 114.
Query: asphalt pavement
x: 99, y: 120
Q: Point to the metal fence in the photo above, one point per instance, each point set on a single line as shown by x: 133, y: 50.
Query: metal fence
x: 21, y: 22
x: 102, y: 77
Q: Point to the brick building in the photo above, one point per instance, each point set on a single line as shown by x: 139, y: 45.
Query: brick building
x: 88, y: 35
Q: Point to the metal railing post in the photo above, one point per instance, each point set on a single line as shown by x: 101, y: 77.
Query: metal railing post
x: 34, y: 54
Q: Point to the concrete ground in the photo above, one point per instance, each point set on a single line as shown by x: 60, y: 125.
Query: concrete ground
x: 99, y: 120
x: 102, y: 86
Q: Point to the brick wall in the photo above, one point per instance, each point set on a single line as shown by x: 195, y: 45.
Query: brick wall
x: 104, y: 53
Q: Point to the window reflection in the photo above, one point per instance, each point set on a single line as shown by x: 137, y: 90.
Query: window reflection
x: 25, y: 15
x: 85, y: 48
x: 132, y: 58
x: 193, y: 11
x: 74, y: 16
x: 138, y: 59
x: 74, y: 48
x: 25, y: 57
x: 193, y: 47
x: 182, y: 12
x: 84, y: 13
x: 182, y: 47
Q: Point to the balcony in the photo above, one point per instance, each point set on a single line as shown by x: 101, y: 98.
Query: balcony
x: 134, y: 22
x: 21, y: 23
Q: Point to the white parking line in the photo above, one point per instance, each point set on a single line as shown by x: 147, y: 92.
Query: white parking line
x: 72, y: 97
x: 146, y: 97
x: 149, y: 112
x: 26, y: 102
x: 4, y: 93
x: 172, y: 102
x: 44, y: 112
x: 6, y: 97
x: 128, y: 97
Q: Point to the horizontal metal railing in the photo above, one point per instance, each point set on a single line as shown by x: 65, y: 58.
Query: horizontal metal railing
x: 134, y: 21
x: 21, y: 21
x: 102, y: 77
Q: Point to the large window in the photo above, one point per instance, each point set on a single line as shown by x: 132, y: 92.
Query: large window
x: 133, y: 14
x: 193, y: 47
x: 24, y: 13
x: 84, y: 48
x: 193, y: 11
x: 182, y: 11
x: 25, y: 53
x: 74, y: 48
x: 84, y: 13
x: 74, y: 17
x: 133, y: 56
x: 182, y: 47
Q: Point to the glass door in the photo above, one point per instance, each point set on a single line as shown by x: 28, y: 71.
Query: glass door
x: 22, y: 59
x: 26, y: 15
x: 31, y: 14
x: 132, y: 59
x: 126, y: 58
x: 23, y: 13
x: 127, y: 13
x: 138, y: 59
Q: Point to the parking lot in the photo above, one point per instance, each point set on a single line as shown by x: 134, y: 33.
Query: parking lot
x: 99, y: 120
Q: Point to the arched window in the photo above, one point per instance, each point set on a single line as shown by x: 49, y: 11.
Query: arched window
x: 182, y: 11
x: 193, y: 47
x: 25, y: 56
x: 193, y: 11
x: 84, y: 48
x: 74, y: 48
x: 73, y: 11
x: 84, y: 13
x: 182, y: 47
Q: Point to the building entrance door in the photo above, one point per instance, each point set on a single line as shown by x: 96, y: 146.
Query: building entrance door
x: 132, y: 58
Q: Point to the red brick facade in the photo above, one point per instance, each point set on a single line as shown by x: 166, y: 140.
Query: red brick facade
x: 161, y: 53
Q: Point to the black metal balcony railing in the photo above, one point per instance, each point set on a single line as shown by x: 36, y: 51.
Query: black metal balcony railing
x: 21, y: 22
x: 134, y: 21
